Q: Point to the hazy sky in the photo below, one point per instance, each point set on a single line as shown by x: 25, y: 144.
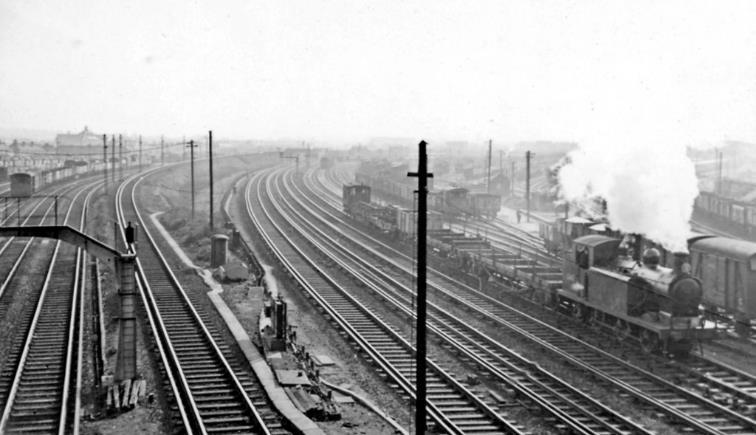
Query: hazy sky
x: 510, y: 70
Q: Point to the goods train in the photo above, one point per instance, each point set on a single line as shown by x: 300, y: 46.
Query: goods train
x: 726, y: 267
x: 388, y: 218
x: 738, y: 216
x: 451, y: 202
x: 599, y: 281
x: 25, y: 184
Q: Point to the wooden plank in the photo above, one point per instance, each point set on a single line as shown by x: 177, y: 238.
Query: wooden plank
x: 125, y: 390
x: 137, y: 390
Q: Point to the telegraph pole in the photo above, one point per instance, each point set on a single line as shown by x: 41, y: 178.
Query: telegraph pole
x: 191, y: 151
x: 140, y: 153
x: 105, y: 159
x: 112, y: 157
x: 120, y: 160
x: 528, y: 156
x: 210, y: 150
x: 162, y: 151
x: 719, y: 162
x: 488, y: 183
x: 501, y: 172
x: 512, y: 176
x: 420, y: 351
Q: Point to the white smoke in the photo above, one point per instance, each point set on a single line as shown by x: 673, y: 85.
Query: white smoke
x: 649, y: 187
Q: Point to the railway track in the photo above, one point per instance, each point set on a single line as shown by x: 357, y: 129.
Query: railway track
x: 655, y: 391
x: 213, y: 393
x: 567, y: 408
x: 14, y: 249
x: 20, y: 277
x: 42, y: 373
x: 705, y: 374
x: 727, y: 379
x: 452, y: 408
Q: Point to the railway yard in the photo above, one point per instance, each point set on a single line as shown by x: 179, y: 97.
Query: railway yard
x: 378, y: 218
x: 295, y: 313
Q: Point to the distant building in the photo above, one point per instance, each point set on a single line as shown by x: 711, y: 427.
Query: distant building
x: 84, y: 142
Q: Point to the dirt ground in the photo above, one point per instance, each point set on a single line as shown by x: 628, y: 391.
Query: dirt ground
x: 246, y: 302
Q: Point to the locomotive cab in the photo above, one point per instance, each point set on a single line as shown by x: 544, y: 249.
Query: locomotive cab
x: 588, y: 251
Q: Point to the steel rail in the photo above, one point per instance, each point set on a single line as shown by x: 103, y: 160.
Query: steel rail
x: 443, y: 328
x: 181, y: 392
x: 78, y: 336
x: 255, y: 420
x: 702, y: 373
x: 16, y: 256
x: 443, y: 421
x: 39, y: 346
x: 599, y: 373
x: 388, y: 368
x: 444, y: 374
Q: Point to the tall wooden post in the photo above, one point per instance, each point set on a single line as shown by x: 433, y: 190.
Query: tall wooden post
x: 210, y: 150
x: 112, y: 158
x: 120, y: 160
x: 512, y: 176
x: 420, y: 351
x: 191, y: 153
x: 488, y: 182
x: 528, y: 156
x: 105, y: 159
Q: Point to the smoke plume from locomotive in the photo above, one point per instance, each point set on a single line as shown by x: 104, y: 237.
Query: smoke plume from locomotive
x: 649, y: 187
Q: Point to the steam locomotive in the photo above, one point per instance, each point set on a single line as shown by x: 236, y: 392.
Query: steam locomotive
x: 606, y: 282
x: 725, y: 266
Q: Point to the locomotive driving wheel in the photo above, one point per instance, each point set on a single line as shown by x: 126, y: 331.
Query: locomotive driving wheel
x: 650, y: 342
